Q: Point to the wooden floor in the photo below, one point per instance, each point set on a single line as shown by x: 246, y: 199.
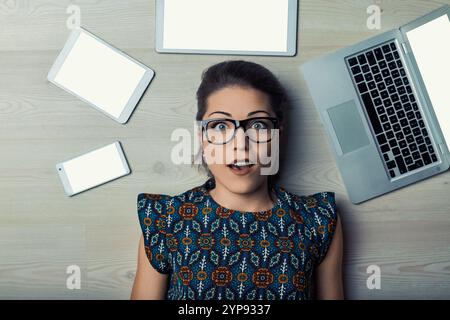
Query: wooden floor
x: 406, y: 233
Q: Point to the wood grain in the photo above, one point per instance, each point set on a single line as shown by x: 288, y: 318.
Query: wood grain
x: 42, y: 231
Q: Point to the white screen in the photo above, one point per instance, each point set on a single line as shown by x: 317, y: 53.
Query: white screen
x: 94, y: 168
x: 430, y: 44
x: 242, y: 25
x: 99, y: 75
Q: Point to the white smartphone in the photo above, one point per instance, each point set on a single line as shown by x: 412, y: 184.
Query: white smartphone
x: 93, y: 169
x: 100, y: 75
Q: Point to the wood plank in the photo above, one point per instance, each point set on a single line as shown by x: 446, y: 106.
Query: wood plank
x: 42, y: 231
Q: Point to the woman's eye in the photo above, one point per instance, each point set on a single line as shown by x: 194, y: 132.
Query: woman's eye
x: 259, y: 125
x: 220, y: 126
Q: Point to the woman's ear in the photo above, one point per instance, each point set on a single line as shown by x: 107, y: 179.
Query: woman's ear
x: 200, y: 136
x: 198, y: 130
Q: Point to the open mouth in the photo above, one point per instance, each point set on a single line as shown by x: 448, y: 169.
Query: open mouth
x: 241, y: 166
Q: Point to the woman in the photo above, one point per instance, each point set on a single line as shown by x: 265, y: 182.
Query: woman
x: 239, y: 235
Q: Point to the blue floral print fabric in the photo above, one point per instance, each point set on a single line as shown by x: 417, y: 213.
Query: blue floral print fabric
x: 212, y: 252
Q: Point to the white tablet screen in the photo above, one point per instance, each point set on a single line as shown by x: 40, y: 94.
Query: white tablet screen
x: 98, y: 74
x: 430, y: 44
x: 242, y: 25
x: 94, y: 168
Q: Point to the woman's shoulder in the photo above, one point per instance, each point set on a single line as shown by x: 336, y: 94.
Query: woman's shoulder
x: 145, y: 199
x: 318, y: 213
x: 194, y: 194
x: 323, y: 202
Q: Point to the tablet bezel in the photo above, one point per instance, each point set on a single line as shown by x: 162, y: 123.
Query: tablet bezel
x: 65, y: 181
x: 291, y: 36
x: 134, y: 98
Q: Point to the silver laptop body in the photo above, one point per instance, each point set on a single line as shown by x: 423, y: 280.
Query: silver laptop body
x: 363, y: 112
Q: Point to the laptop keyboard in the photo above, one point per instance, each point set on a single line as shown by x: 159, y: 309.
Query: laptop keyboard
x: 392, y: 109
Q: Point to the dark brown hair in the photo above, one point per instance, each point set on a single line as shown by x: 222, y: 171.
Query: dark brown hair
x: 241, y: 73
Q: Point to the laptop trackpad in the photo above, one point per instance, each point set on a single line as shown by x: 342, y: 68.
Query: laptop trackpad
x: 348, y: 126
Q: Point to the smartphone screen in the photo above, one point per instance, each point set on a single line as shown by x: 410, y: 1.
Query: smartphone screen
x: 93, y: 168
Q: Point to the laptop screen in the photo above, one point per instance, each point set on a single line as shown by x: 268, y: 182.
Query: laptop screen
x: 430, y: 44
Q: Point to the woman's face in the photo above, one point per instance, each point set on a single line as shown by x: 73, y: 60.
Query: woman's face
x: 223, y: 160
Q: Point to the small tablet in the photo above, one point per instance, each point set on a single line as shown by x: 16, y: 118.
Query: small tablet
x: 93, y: 168
x: 244, y: 27
x: 100, y: 75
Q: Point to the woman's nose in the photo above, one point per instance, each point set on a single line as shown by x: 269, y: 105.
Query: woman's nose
x: 240, y: 139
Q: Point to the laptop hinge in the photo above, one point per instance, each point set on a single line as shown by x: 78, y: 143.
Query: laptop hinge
x: 441, y: 148
x: 405, y: 49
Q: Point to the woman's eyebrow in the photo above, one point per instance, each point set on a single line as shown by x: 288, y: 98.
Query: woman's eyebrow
x: 223, y: 112
x: 257, y: 111
x: 249, y: 114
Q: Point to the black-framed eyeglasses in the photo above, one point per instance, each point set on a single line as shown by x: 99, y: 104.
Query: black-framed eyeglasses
x: 222, y: 131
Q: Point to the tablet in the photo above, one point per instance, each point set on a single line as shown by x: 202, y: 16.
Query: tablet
x: 100, y: 75
x: 93, y: 169
x: 247, y: 27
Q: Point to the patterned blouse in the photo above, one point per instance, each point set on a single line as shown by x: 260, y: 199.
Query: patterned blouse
x: 211, y: 252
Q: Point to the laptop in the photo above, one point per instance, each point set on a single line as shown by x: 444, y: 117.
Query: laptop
x: 385, y: 105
